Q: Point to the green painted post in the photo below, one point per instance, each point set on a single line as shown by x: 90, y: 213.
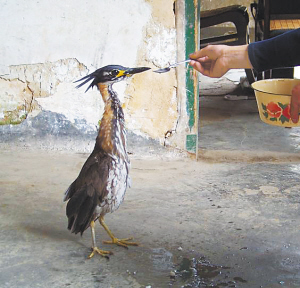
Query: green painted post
x: 192, y: 43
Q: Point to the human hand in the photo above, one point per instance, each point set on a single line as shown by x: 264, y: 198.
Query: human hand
x: 216, y: 60
x: 295, y: 103
x: 210, y: 61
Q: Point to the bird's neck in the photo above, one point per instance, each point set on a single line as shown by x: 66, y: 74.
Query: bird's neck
x: 111, y: 135
x: 105, y: 91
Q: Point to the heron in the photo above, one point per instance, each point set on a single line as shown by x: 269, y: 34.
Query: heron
x: 102, y: 182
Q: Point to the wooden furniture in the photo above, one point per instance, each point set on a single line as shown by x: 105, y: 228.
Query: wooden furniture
x: 236, y: 14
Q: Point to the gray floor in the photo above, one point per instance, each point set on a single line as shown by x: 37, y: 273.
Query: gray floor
x: 236, y: 126
x: 231, y: 219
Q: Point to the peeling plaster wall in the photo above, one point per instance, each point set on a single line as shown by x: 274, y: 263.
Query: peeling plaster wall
x: 154, y: 112
x: 46, y: 45
x: 17, y: 101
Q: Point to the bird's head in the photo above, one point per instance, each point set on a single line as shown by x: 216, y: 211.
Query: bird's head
x: 109, y: 75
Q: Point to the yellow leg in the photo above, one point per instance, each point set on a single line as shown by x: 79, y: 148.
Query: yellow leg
x: 95, y: 249
x: 121, y: 242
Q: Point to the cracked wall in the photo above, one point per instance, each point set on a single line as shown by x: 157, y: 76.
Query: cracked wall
x: 28, y: 89
x: 47, y: 46
x: 16, y: 101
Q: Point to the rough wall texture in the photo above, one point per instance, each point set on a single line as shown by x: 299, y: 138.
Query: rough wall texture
x: 16, y: 101
x: 154, y: 112
x: 47, y: 45
x: 26, y: 83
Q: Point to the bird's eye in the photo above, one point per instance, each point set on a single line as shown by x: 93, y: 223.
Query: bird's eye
x: 114, y: 72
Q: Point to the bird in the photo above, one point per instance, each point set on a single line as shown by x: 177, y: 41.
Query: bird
x: 102, y: 182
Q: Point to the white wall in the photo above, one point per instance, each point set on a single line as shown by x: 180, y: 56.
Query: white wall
x: 95, y: 32
x: 46, y: 45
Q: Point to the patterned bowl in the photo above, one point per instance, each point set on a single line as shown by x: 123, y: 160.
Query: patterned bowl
x: 273, y: 97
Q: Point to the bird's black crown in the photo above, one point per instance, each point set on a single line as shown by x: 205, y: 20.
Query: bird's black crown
x: 109, y: 74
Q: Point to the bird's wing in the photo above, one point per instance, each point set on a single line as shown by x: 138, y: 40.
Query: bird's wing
x: 86, y: 192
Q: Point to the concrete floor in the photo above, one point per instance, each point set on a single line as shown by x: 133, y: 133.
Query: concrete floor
x: 231, y: 219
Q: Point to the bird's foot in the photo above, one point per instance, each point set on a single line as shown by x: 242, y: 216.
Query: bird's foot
x: 121, y: 242
x: 102, y: 253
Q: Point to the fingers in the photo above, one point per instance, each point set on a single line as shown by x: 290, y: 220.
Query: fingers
x: 210, y: 51
x: 200, y: 67
x: 209, y: 61
x: 199, y: 54
x: 295, y: 104
x: 203, y: 59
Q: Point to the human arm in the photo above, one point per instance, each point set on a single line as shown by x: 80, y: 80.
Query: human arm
x: 280, y: 51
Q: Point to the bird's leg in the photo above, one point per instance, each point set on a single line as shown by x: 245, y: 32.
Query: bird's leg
x: 121, y: 242
x: 95, y: 249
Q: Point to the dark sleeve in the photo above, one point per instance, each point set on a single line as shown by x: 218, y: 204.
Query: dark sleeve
x: 281, y: 51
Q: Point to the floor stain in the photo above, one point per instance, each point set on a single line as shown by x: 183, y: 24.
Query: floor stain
x: 198, y: 273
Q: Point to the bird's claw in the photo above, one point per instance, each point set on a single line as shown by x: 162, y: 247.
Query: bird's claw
x: 102, y: 253
x: 122, y: 242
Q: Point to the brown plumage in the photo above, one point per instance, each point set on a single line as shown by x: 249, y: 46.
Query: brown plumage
x: 102, y: 182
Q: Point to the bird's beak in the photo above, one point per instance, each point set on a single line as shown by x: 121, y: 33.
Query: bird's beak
x: 130, y: 71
